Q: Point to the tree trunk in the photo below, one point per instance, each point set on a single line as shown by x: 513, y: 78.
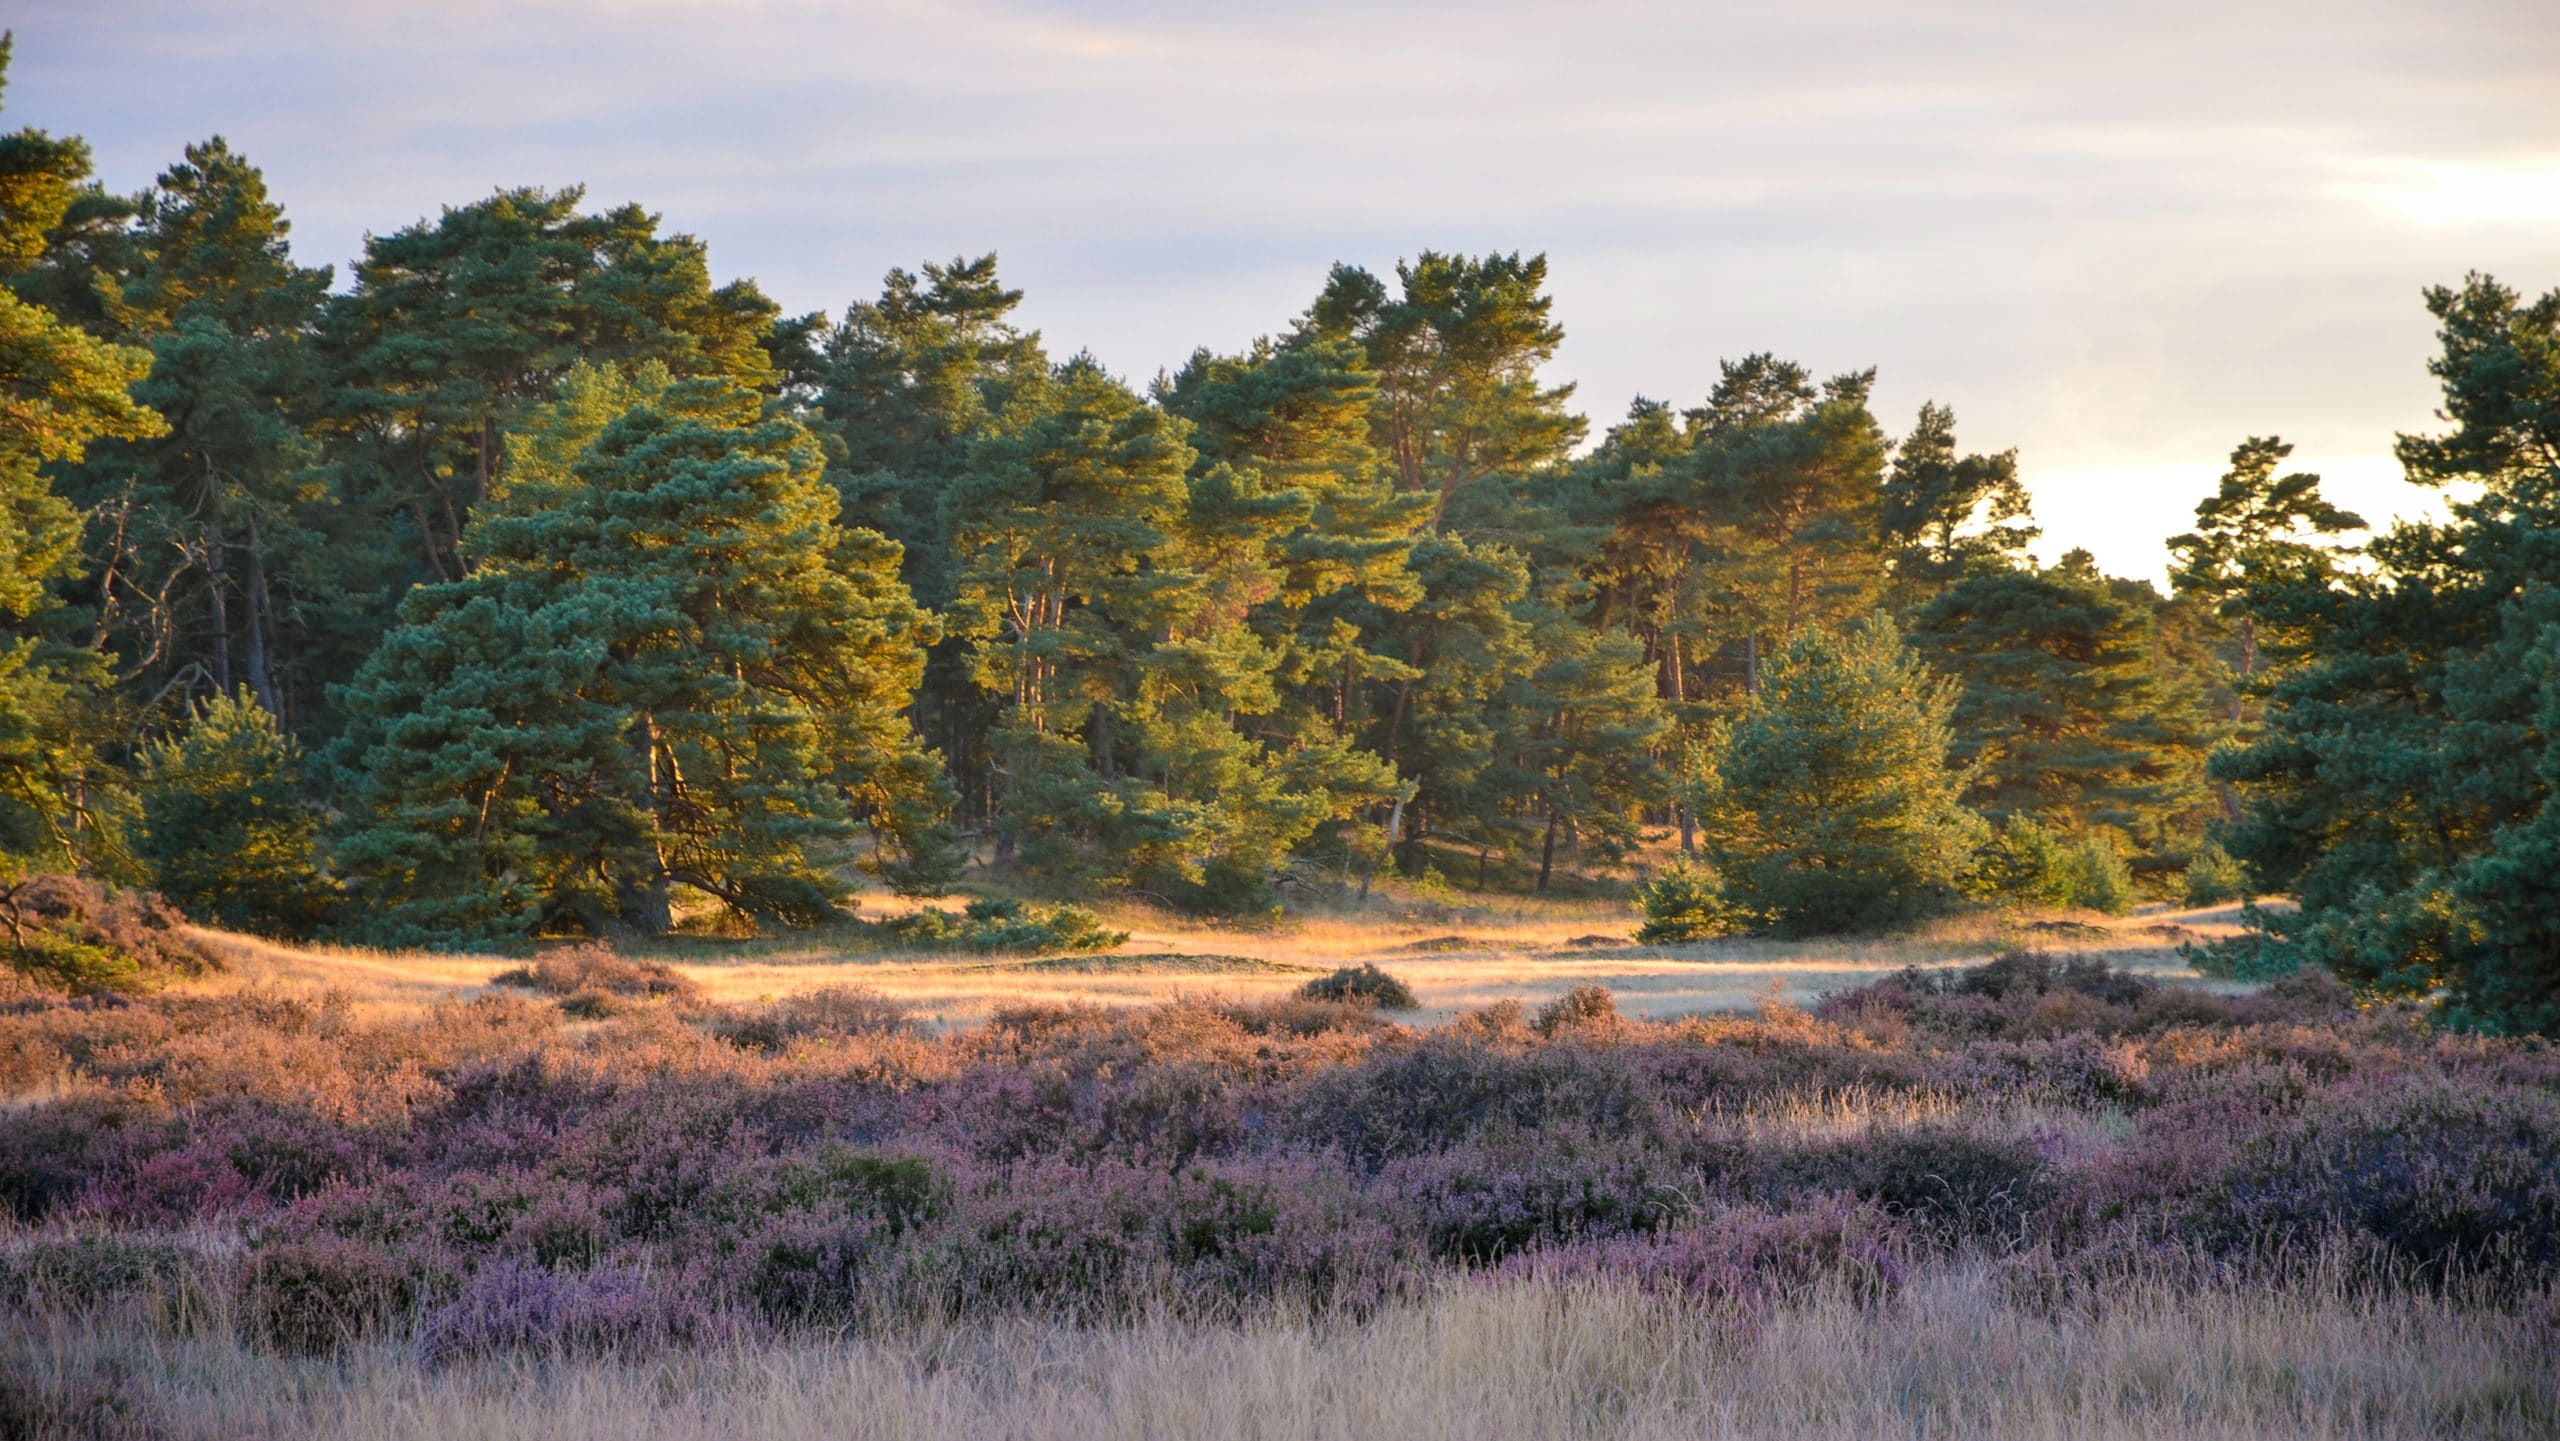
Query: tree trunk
x: 1547, y: 856
x: 262, y: 679
x: 646, y: 902
x: 1395, y: 828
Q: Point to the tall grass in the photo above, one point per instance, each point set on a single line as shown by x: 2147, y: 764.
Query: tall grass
x: 1967, y: 1350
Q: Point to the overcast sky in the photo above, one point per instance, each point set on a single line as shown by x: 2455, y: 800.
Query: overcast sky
x: 2118, y: 237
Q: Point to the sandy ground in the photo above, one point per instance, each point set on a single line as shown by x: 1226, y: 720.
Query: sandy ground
x: 1452, y: 963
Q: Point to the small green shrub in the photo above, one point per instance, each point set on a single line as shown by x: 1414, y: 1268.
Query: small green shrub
x: 2097, y: 878
x: 1363, y: 983
x: 1686, y: 902
x: 1002, y: 924
x: 2214, y: 878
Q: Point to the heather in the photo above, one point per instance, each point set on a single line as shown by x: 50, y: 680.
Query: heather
x: 507, y: 1175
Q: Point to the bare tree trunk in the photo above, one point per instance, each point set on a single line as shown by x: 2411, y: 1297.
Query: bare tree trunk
x: 1547, y: 856
x: 261, y: 667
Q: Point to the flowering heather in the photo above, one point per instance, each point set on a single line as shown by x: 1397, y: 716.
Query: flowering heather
x: 488, y: 1177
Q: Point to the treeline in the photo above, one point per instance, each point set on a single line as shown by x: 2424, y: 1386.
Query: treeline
x: 531, y: 582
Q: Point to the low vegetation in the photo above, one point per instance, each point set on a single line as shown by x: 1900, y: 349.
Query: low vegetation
x: 490, y: 1180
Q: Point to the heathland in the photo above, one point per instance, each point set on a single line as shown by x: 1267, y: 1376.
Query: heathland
x: 2020, y: 1178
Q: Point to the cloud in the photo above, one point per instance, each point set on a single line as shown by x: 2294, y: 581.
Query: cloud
x: 2119, y: 238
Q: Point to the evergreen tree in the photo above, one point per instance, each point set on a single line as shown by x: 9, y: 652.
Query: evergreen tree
x: 61, y: 390
x: 455, y: 330
x: 2068, y: 714
x: 677, y: 671
x: 212, y: 566
x: 1832, y: 804
x: 1456, y: 351
x: 2259, y: 528
x: 2402, y: 789
x: 1110, y: 598
x: 1944, y: 513
x: 225, y: 834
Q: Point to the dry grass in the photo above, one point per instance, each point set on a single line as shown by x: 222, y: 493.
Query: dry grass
x: 1453, y: 963
x: 1963, y: 1352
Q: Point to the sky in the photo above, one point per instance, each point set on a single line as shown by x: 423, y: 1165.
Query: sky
x: 2119, y: 237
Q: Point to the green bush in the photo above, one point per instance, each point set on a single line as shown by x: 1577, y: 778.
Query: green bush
x: 2096, y: 878
x: 1003, y: 924
x: 225, y: 833
x: 1686, y: 902
x: 2214, y: 878
x: 2024, y: 864
x: 1832, y: 806
x: 2027, y: 863
x: 1363, y: 983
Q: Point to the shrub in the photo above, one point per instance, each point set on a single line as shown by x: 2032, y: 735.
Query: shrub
x: 2214, y: 878
x: 1945, y: 1177
x: 83, y: 937
x: 1686, y: 902
x: 830, y: 1011
x: 515, y: 1306
x: 311, y: 1296
x: 2095, y: 877
x: 1003, y: 924
x: 1453, y: 1088
x: 225, y: 832
x: 2025, y: 863
x: 1751, y: 1258
x: 588, y: 977
x: 77, y: 1272
x: 2452, y: 1175
x: 1479, y: 1203
x: 1364, y: 984
x: 1582, y: 1006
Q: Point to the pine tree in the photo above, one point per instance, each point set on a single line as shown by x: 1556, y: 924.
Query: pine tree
x: 2258, y: 528
x: 2068, y: 714
x: 455, y: 330
x: 61, y: 390
x: 1832, y: 804
x: 2401, y: 791
x: 678, y: 671
x: 213, y: 566
x: 1456, y: 351
x: 1945, y: 513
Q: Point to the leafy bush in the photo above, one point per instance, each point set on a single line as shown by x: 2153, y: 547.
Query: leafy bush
x: 2031, y: 865
x: 1002, y: 924
x: 2215, y: 878
x: 225, y: 833
x: 1364, y: 984
x: 2095, y: 877
x: 1686, y: 902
